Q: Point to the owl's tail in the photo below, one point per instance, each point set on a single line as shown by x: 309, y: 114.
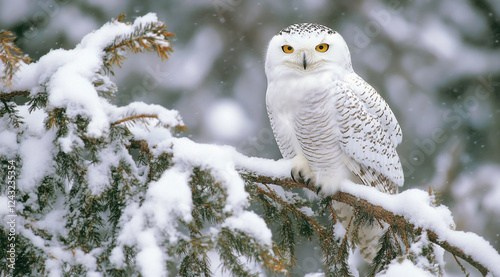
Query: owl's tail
x: 368, y: 236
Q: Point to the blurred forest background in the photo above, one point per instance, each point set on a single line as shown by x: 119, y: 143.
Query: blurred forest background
x: 437, y: 64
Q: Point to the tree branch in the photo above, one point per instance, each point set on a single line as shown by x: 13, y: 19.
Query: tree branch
x: 143, y: 117
x: 377, y: 212
x: 135, y: 117
x: 4, y: 96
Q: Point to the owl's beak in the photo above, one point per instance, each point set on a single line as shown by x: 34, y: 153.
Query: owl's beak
x: 304, y: 62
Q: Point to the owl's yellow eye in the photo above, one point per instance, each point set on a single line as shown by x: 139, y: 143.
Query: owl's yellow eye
x: 322, y: 47
x: 287, y: 49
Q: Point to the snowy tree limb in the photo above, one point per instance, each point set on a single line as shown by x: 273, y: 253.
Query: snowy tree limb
x: 379, y: 213
x: 4, y: 96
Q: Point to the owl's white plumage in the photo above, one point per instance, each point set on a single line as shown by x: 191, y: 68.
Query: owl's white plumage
x: 325, y: 117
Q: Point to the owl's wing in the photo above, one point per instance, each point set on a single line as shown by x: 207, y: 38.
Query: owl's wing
x: 282, y: 132
x: 376, y: 106
x: 369, y: 146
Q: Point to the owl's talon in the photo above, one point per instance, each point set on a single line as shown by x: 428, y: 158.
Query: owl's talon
x: 293, y: 177
x: 318, y: 190
x: 300, y: 175
x: 308, y: 181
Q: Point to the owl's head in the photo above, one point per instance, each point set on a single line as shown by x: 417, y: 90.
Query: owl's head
x: 307, y: 47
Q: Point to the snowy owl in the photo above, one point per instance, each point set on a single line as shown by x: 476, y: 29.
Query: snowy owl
x: 326, y: 118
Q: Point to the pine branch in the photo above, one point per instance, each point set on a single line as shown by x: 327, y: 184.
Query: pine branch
x: 9, y: 108
x: 5, y: 96
x: 135, y: 117
x: 151, y: 37
x: 319, y: 229
x: 10, y: 56
x: 395, y: 221
x: 142, y: 118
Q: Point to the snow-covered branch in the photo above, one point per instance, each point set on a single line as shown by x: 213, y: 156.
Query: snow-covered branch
x: 422, y: 216
x: 5, y: 96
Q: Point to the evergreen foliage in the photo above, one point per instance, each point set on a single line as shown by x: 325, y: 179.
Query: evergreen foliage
x: 102, y: 189
x: 10, y: 56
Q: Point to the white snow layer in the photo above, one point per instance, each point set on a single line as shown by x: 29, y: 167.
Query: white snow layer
x: 405, y: 268
x: 252, y: 224
x: 223, y: 162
